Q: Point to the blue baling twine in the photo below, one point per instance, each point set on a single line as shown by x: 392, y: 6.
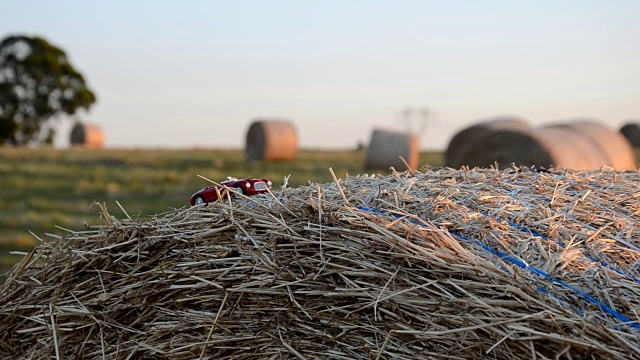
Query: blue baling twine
x: 601, y: 263
x: 523, y: 265
x: 525, y: 229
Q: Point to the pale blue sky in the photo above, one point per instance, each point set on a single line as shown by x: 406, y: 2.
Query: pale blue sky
x: 195, y: 73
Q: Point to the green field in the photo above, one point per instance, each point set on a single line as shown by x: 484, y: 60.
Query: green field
x: 45, y: 188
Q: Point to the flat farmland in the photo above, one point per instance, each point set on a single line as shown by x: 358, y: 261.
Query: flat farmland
x: 47, y: 190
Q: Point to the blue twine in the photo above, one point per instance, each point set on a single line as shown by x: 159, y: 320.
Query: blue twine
x: 601, y: 263
x: 523, y: 265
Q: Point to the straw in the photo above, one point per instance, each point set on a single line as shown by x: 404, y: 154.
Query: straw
x: 387, y: 267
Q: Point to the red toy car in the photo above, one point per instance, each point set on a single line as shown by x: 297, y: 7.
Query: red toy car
x: 245, y: 186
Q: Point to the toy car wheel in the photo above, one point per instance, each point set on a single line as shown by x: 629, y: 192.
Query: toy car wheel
x: 239, y: 190
x: 199, y: 200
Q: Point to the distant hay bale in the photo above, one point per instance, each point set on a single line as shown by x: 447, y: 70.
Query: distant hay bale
x: 87, y: 135
x: 271, y: 140
x: 445, y: 264
x: 466, y: 138
x: 631, y: 131
x: 579, y: 144
x: 386, y: 146
x: 551, y: 146
x: 612, y: 143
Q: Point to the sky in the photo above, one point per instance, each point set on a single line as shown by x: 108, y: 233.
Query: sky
x: 186, y: 74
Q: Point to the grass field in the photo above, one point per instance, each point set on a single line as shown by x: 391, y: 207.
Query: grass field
x: 45, y: 188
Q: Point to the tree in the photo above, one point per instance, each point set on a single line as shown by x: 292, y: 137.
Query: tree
x: 37, y: 84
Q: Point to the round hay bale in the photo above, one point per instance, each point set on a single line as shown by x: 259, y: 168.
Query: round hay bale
x: 271, y: 140
x: 466, y: 138
x: 631, y: 131
x: 87, y: 135
x: 386, y: 267
x: 557, y: 146
x: 613, y: 144
x: 386, y: 146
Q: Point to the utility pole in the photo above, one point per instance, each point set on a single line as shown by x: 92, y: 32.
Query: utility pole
x: 416, y: 120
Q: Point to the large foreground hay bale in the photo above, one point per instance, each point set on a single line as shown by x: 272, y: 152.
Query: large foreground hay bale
x: 87, y: 135
x: 386, y: 147
x: 510, y: 264
x: 467, y: 137
x: 271, y: 140
x: 631, y: 131
x: 583, y: 145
